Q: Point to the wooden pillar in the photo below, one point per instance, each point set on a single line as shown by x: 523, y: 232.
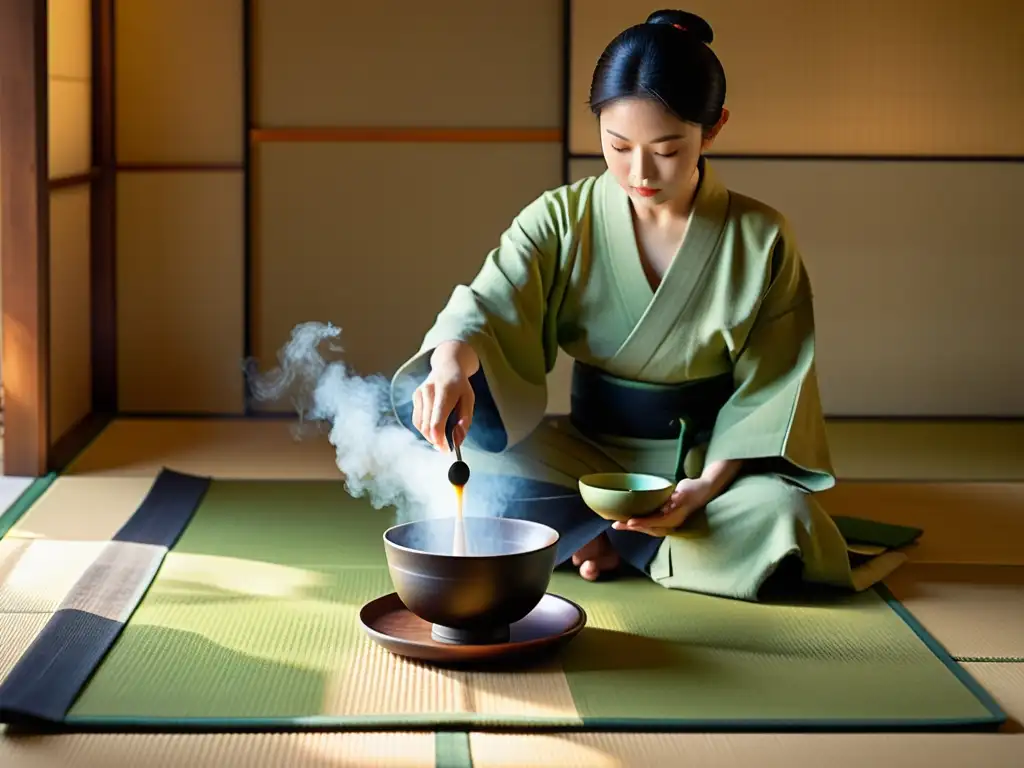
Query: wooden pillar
x: 25, y: 233
x: 104, y: 289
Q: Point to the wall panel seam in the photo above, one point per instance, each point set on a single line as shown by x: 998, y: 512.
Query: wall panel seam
x: 248, y: 123
x: 410, y: 134
x: 567, y: 154
x: 178, y: 167
x: 75, y: 179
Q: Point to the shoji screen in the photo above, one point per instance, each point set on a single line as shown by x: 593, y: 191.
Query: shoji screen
x: 394, y: 143
x: 69, y: 43
x: 180, y: 192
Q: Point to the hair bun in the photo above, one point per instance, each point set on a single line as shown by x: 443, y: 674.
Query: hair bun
x: 687, y: 22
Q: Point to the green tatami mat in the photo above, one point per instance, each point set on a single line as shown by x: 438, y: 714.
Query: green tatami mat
x: 251, y: 622
x: 658, y: 655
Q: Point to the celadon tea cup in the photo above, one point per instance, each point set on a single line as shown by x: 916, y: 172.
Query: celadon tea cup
x: 623, y: 495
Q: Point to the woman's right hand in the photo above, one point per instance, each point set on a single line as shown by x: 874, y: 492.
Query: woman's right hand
x: 445, y: 389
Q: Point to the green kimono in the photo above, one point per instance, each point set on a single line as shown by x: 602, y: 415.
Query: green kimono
x: 727, y: 340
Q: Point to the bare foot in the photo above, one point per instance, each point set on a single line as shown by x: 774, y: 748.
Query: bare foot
x: 596, y: 557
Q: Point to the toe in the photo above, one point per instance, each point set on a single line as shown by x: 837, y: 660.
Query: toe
x: 589, y: 570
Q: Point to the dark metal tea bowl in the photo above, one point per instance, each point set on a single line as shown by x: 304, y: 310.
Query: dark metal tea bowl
x: 471, y: 598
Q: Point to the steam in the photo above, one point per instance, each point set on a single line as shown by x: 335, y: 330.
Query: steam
x: 377, y: 456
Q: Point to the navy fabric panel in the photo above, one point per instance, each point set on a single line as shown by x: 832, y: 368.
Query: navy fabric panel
x: 47, y: 679
x: 166, y: 511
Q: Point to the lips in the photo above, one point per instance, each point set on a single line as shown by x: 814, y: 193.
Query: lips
x: 646, y: 191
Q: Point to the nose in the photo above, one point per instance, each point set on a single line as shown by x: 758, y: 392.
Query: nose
x: 640, y: 168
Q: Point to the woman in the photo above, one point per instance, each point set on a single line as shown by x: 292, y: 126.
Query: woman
x: 688, y: 312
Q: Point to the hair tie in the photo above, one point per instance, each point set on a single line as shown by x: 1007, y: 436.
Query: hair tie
x: 679, y: 27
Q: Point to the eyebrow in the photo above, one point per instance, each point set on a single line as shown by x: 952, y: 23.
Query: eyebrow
x: 670, y: 137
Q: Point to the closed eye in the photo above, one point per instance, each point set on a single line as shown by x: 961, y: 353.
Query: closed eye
x: 659, y: 154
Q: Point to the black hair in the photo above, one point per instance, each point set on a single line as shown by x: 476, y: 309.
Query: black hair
x: 668, y: 58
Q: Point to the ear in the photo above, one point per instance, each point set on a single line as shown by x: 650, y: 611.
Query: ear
x: 710, y: 136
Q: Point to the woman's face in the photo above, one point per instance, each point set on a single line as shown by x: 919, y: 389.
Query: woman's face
x: 650, y: 152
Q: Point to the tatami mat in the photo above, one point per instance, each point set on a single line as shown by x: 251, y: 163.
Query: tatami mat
x: 317, y: 750
x: 643, y: 750
x: 83, y: 508
x: 37, y: 574
x: 1005, y: 682
x: 228, y: 448
x: 928, y: 450
x: 973, y: 610
x: 914, y: 451
x: 968, y: 523
x: 976, y: 612
x: 263, y: 750
x: 646, y: 750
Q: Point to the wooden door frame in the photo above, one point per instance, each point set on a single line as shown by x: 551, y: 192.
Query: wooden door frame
x: 29, y: 450
x: 25, y: 235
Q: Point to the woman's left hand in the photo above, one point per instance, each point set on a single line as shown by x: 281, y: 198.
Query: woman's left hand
x: 688, y: 497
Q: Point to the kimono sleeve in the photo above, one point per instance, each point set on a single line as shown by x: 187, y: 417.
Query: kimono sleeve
x: 507, y: 314
x: 774, y: 416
